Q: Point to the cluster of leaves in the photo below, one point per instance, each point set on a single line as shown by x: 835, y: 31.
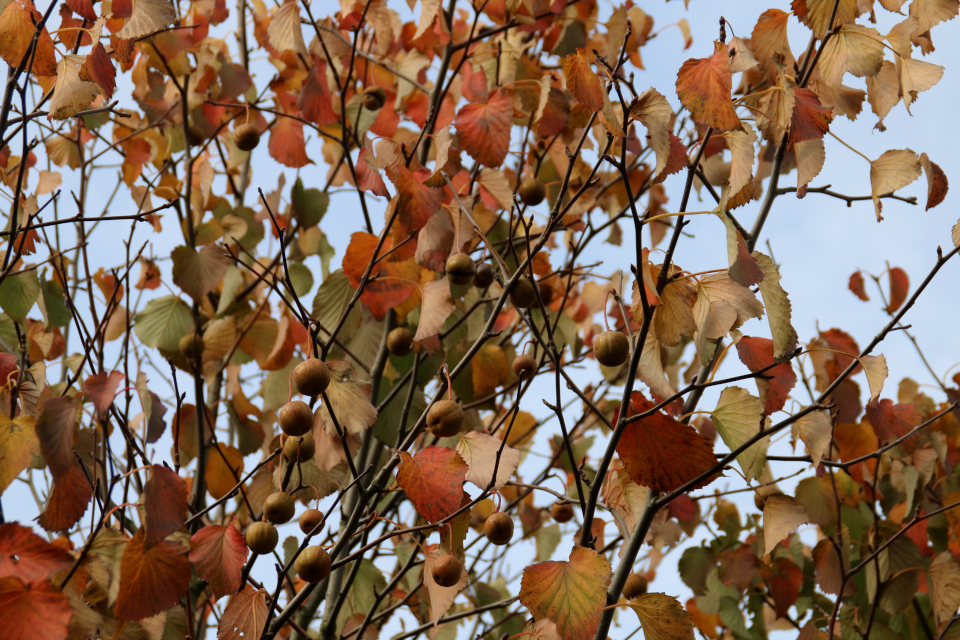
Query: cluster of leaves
x: 514, y: 134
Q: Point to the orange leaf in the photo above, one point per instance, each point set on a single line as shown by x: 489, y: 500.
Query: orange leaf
x: 67, y: 502
x: 662, y: 617
x: 398, y: 280
x: 484, y: 129
x: 433, y: 480
x: 218, y: 554
x: 899, y: 287
x: 704, y: 85
x: 416, y: 202
x: 571, y: 592
x: 757, y: 353
x: 165, y: 503
x: 18, y: 26
x: 151, y: 580
x: 583, y: 83
x: 937, y: 184
x: 34, y: 610
x: 244, y: 616
x: 27, y: 556
x: 224, y: 466
x: 368, y: 175
x: 856, y: 286
x: 811, y: 120
x: 489, y: 369
x: 315, y: 100
x: 662, y: 453
x: 287, y: 144
x: 677, y: 160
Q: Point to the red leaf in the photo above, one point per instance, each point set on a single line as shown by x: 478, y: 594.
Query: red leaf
x: 99, y: 68
x: 368, y: 175
x: 811, y: 120
x: 433, y: 480
x: 416, y: 202
x: 556, y: 114
x: 784, y: 581
x: 937, y: 184
x: 218, y: 554
x: 484, y: 129
x: 27, y: 556
x: 67, y: 502
x: 891, y: 420
x: 34, y: 610
x: 677, y: 159
x: 572, y: 593
x: 315, y: 100
x: 244, y: 616
x: 122, y: 8
x: 151, y: 580
x: 661, y: 453
x: 101, y: 387
x: 165, y: 503
x: 704, y: 85
x: 287, y: 144
x: 83, y: 8
x: 757, y: 353
x: 583, y: 83
x: 856, y: 286
x: 841, y: 341
x: 899, y: 287
x: 55, y: 431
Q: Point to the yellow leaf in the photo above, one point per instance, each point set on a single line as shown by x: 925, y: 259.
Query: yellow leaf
x: 662, y: 617
x: 781, y: 515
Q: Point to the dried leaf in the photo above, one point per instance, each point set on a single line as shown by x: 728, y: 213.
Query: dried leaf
x: 778, y: 307
x: 899, y: 287
x: 440, y: 597
x: 18, y: 25
x: 876, y: 369
x: 738, y: 418
x: 781, y: 515
x: 70, y: 93
x: 284, y: 31
x: 653, y: 110
x: 349, y: 400
x: 18, y: 447
x: 244, y: 616
x: 218, y: 554
x: 937, y: 184
x: 777, y: 382
x: 816, y: 430
x: 662, y: 617
x: 945, y: 576
x: 893, y: 170
x: 436, y: 307
x: 147, y: 16
x: 165, y: 504
x: 583, y: 83
x: 479, y: 451
x: 856, y: 286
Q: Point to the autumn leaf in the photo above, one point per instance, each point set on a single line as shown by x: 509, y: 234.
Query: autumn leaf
x: 816, y: 14
x: 416, y: 202
x: 653, y: 110
x: 67, y: 502
x: 99, y: 68
x: 489, y: 369
x: 165, y: 504
x: 741, y: 58
x: 769, y: 37
x: 33, y: 610
x: 70, y: 93
x: 479, y: 451
x: 101, y: 387
x: 854, y: 49
x: 349, y: 399
x: 224, y: 468
x: 662, y: 617
x: 937, y: 184
x: 368, y: 174
x: 151, y: 580
x: 775, y: 384
x: 779, y: 311
x: 810, y: 119
x: 876, y: 369
x: 198, y: 272
x: 945, y: 576
x: 899, y: 287
x: 626, y: 500
x: 583, y: 83
x: 781, y: 515
x: 56, y: 431
x: 662, y: 453
x: 436, y: 307
x: 18, y: 447
x: 893, y: 170
x: 147, y: 16
x: 571, y: 592
x: 484, y: 128
x: 704, y: 86
x: 18, y: 26
x: 27, y: 556
x: 856, y: 286
x: 738, y: 419
x: 218, y: 554
x: 742, y: 154
x: 287, y: 144
x: 816, y: 431
x: 244, y: 616
x: 440, y: 597
x: 284, y: 31
x: 433, y: 480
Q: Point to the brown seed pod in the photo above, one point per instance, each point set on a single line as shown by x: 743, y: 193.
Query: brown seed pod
x: 191, y: 345
x: 311, y: 377
x: 247, y: 137
x: 296, y: 418
x: 447, y: 571
x: 445, y: 418
x: 636, y: 585
x: 313, y: 564
x: 400, y: 341
x: 499, y: 528
x: 484, y: 276
x: 525, y: 366
x: 374, y: 98
x: 306, y: 448
x: 460, y: 268
x: 279, y: 508
x: 523, y: 295
x: 309, y: 520
x: 532, y: 192
x: 611, y: 348
x: 561, y: 512
x: 261, y: 537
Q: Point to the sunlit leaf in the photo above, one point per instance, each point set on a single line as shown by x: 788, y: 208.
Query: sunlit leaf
x: 218, y: 554
x: 433, y: 480
x: 479, y: 451
x: 704, y: 86
x: 662, y: 617
x: 583, y: 83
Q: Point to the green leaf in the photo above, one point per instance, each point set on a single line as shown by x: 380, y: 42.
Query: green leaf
x: 302, y: 278
x: 18, y: 293
x: 363, y: 594
x: 232, y: 280
x: 308, y: 205
x: 198, y: 272
x: 51, y: 304
x: 163, y: 322
x: 547, y: 538
x: 738, y: 417
x: 331, y: 300
x: 778, y: 309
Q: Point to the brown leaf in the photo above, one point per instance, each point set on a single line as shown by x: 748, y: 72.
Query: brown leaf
x: 937, y: 184
x: 33, y: 610
x: 583, y: 83
x: 218, y: 554
x: 165, y: 504
x: 99, y: 68
x: 71, y: 93
x: 653, y: 110
x: 56, y: 432
x: 893, y: 170
x: 899, y: 288
x: 662, y: 617
x: 244, y: 616
x: 67, y: 502
x: 151, y: 580
x: 440, y: 597
x: 349, y: 400
x: 18, y: 447
x: 781, y: 515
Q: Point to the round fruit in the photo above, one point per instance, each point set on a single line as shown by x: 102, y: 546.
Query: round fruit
x: 562, y: 512
x: 246, y: 136
x: 445, y: 419
x: 546, y: 292
x: 311, y: 377
x: 523, y: 295
x: 262, y: 537
x: 460, y: 268
x: 313, y: 564
x: 447, y: 571
x: 532, y: 192
x: 279, y: 507
x: 499, y: 528
x: 296, y: 418
x: 373, y: 98
x: 611, y: 348
x: 302, y: 447
x: 636, y: 585
x: 310, y: 519
x: 524, y: 365
x: 400, y: 341
x: 191, y: 345
x: 484, y: 276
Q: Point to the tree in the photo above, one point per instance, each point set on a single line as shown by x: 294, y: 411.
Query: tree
x: 406, y: 348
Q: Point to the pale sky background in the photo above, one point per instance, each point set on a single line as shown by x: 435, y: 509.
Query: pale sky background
x: 818, y: 241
